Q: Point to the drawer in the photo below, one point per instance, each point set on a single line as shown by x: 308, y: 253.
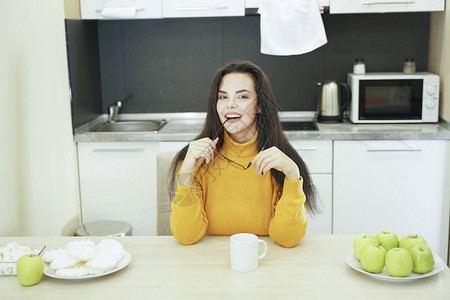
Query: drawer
x: 128, y: 9
x: 202, y: 8
x: 380, y: 6
x: 318, y: 155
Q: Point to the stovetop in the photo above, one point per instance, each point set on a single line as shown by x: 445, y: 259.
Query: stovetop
x: 299, y: 125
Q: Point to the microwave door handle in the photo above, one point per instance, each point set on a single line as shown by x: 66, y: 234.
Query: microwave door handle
x: 349, y: 95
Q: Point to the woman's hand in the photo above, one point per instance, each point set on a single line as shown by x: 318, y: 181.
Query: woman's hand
x: 273, y: 158
x: 199, y: 151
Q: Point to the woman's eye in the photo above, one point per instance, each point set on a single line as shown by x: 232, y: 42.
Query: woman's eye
x: 222, y: 97
x: 242, y: 97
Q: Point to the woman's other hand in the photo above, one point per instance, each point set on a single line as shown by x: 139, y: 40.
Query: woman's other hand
x: 274, y: 158
x: 199, y: 151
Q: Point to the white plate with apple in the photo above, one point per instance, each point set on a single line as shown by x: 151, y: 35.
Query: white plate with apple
x: 351, y: 260
x: 126, y: 259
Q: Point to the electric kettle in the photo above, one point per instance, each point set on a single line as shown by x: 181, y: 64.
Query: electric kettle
x: 333, y: 98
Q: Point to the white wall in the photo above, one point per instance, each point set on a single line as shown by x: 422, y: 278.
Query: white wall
x: 38, y: 174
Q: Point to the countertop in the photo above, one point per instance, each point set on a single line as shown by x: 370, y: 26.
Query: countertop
x: 161, y: 268
x: 186, y: 126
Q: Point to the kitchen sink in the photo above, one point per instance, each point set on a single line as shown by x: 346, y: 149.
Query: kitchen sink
x: 298, y: 125
x: 132, y: 126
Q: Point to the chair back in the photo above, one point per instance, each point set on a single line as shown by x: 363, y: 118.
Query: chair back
x: 163, y: 163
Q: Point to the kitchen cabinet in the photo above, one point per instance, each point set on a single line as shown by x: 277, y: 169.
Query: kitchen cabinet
x: 398, y: 186
x: 154, y: 9
x: 202, y: 8
x: 383, y: 6
x: 255, y: 3
x: 151, y: 9
x: 118, y: 182
x: 318, y: 157
x: 321, y: 223
x: 127, y: 9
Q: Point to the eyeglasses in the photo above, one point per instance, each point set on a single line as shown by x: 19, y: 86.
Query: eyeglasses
x: 232, y: 162
x: 238, y: 165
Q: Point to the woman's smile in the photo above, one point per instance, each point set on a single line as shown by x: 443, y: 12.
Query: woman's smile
x: 233, y: 117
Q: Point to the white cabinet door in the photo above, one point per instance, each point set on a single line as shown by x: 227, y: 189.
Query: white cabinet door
x: 255, y: 3
x: 380, y: 6
x: 118, y: 182
x: 202, y: 8
x: 321, y: 223
x: 397, y: 186
x: 123, y: 9
x: 318, y: 155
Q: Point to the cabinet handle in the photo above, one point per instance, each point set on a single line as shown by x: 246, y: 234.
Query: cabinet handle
x: 119, y: 150
x: 99, y: 11
x: 388, y: 2
x: 393, y: 150
x: 202, y: 8
x: 306, y: 148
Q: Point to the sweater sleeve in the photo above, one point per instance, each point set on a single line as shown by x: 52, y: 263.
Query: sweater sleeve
x: 288, y: 224
x: 188, y: 220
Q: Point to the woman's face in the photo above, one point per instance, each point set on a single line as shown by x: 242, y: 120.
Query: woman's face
x: 237, y: 98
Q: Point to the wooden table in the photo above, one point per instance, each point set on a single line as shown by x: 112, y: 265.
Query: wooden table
x: 161, y: 268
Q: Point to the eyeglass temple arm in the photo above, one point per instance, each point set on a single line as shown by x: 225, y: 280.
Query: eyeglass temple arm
x: 222, y: 126
x: 263, y: 147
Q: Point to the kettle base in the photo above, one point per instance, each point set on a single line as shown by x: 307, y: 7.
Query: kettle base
x: 329, y: 119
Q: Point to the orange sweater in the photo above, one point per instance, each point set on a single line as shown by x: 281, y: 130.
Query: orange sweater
x: 224, y: 200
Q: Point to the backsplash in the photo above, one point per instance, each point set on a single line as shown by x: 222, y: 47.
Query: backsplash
x: 167, y: 65
x: 84, y: 71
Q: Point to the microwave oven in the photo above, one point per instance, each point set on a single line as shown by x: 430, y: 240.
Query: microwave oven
x: 394, y: 98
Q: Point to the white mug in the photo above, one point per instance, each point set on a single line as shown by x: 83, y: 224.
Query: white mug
x: 244, y: 252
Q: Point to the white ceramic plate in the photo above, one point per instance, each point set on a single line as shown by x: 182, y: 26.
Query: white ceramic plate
x: 120, y: 265
x: 351, y: 260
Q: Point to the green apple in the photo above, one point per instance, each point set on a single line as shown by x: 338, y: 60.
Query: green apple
x: 409, y: 241
x: 372, y: 258
x: 361, y: 241
x: 30, y: 268
x: 398, y: 262
x: 388, y: 240
x: 422, y: 257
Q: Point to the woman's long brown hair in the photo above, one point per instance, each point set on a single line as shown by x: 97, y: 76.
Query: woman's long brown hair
x: 267, y: 122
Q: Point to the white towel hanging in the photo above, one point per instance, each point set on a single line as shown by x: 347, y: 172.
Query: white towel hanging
x: 291, y: 27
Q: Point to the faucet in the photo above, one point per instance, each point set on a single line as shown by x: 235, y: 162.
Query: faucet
x: 114, y: 111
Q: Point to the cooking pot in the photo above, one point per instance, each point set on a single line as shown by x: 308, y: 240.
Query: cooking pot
x: 333, y: 97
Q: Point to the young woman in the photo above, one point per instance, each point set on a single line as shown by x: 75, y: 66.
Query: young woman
x: 240, y: 174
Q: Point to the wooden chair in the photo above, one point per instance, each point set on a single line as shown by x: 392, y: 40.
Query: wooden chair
x: 163, y: 163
